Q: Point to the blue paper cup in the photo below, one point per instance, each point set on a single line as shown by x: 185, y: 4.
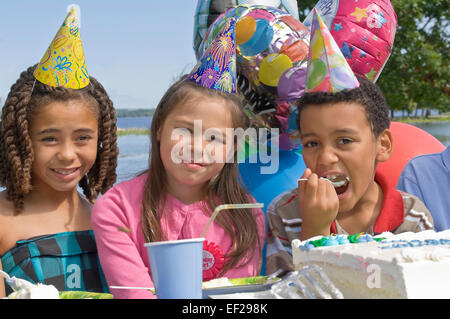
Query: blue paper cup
x: 177, y: 268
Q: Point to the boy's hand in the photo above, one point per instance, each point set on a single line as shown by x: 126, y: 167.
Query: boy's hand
x: 318, y: 204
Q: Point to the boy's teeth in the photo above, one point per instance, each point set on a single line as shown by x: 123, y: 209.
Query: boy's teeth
x: 338, y: 180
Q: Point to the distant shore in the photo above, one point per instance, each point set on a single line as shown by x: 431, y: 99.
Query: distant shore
x: 409, y: 120
x: 430, y: 119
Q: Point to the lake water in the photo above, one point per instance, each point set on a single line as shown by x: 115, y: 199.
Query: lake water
x: 133, y: 156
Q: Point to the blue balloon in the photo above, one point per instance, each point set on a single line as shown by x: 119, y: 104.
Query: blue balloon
x: 265, y: 187
x: 260, y: 40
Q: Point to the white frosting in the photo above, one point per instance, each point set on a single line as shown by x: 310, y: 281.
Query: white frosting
x: 408, y: 265
x: 218, y: 282
x: 39, y: 291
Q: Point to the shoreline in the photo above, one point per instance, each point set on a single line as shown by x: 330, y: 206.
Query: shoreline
x: 132, y: 131
x: 431, y: 119
x: 408, y: 120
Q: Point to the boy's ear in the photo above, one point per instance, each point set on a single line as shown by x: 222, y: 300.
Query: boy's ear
x: 384, y: 145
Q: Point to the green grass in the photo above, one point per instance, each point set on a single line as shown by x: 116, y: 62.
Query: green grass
x: 132, y: 131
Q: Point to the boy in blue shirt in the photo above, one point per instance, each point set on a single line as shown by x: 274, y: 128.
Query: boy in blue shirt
x: 428, y: 178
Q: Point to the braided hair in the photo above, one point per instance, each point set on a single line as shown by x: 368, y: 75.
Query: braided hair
x: 24, y: 100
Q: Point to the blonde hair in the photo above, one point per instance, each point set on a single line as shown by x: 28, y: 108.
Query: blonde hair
x: 240, y: 224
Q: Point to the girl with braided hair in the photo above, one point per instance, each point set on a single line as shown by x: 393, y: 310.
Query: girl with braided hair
x: 54, y: 141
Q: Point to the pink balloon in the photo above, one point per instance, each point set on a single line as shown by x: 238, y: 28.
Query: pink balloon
x: 409, y: 141
x: 364, y: 31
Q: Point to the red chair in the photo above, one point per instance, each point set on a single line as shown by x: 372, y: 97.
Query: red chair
x: 409, y: 141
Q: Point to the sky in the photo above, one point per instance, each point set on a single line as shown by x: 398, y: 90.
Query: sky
x: 135, y: 48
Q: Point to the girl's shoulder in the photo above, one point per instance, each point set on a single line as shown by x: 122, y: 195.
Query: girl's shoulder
x: 132, y: 185
x: 127, y: 192
x: 6, y: 206
x: 7, y: 229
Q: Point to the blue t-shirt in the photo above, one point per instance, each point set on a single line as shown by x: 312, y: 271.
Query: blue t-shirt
x: 428, y: 178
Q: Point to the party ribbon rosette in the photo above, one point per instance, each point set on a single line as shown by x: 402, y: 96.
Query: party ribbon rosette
x: 213, y: 260
x: 63, y: 63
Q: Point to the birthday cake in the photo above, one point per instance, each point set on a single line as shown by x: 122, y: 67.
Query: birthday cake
x: 407, y: 265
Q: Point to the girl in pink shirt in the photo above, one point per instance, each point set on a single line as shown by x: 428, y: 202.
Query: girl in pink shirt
x: 193, y: 169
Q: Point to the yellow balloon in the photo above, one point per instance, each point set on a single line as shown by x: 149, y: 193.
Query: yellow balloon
x: 272, y: 68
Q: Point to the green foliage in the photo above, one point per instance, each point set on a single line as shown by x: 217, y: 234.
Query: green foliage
x: 417, y: 72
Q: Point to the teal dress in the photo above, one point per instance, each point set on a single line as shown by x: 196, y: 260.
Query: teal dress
x: 67, y: 260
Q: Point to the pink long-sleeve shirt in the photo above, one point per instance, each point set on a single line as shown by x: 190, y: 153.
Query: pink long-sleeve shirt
x: 116, y: 221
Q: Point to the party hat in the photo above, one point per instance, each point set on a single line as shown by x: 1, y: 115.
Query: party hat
x: 327, y: 70
x: 63, y: 63
x: 216, y: 69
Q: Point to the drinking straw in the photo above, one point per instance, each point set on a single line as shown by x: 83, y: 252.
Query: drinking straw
x: 227, y: 206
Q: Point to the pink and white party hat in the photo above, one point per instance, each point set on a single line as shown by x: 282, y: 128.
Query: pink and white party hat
x: 327, y: 70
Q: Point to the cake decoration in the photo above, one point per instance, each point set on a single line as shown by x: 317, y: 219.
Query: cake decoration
x: 416, y: 243
x: 334, y: 240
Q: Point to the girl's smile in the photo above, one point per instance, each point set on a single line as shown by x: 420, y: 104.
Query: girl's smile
x: 65, y: 174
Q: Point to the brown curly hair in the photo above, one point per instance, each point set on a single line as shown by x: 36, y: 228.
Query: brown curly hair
x: 25, y: 98
x: 368, y: 94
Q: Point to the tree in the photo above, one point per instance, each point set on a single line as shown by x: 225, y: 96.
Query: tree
x: 416, y: 74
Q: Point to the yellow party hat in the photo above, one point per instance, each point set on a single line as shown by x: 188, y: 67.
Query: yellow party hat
x: 63, y: 63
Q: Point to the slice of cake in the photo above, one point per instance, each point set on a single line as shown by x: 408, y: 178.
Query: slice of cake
x: 408, y: 265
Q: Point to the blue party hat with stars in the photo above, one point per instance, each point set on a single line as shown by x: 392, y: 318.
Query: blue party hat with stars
x: 216, y: 69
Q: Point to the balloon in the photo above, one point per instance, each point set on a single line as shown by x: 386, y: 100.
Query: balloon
x: 271, y: 53
x: 409, y: 141
x: 265, y: 187
x: 364, y: 31
x: 208, y: 10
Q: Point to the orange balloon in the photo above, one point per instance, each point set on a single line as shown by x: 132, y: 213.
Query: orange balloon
x: 245, y: 29
x: 297, y: 51
x: 409, y: 141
